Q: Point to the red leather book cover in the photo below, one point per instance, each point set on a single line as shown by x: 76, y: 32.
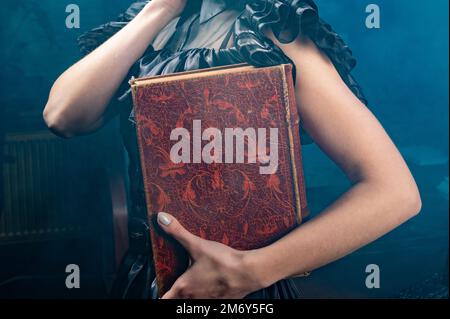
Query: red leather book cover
x: 220, y: 150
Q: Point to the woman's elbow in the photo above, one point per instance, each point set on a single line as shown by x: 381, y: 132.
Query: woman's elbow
x: 56, y: 120
x: 409, y: 198
x: 416, y: 203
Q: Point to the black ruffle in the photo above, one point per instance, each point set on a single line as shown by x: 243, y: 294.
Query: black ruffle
x: 288, y: 19
x: 165, y: 62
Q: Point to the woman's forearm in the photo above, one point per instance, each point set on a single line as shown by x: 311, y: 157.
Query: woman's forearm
x: 384, y: 194
x: 79, y: 97
x: 366, y: 212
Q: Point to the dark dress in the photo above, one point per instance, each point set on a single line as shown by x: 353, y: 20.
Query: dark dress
x: 287, y: 18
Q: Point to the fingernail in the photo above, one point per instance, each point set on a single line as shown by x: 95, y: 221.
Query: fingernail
x: 164, y: 219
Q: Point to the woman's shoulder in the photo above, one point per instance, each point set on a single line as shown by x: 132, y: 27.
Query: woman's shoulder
x: 288, y: 20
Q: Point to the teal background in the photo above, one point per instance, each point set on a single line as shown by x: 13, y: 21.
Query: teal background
x: 403, y: 69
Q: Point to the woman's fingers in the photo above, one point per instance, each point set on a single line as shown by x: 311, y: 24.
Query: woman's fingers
x: 178, y: 290
x: 171, y: 294
x: 173, y: 227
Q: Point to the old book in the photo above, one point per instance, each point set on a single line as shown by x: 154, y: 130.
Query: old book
x: 220, y: 150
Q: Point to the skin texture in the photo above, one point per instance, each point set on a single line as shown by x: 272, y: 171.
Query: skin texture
x: 77, y: 102
x: 383, y: 196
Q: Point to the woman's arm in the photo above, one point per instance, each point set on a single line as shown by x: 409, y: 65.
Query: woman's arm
x: 384, y: 194
x: 80, y: 96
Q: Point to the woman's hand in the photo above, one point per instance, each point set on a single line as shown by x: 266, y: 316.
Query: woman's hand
x: 217, y: 271
x: 173, y: 7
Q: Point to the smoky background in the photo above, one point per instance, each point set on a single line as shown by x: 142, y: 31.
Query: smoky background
x: 402, y: 67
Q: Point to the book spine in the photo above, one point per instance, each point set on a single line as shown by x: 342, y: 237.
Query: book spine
x: 293, y: 122
x: 161, y: 280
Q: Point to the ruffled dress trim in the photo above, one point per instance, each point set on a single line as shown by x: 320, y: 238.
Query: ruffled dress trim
x: 287, y: 18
